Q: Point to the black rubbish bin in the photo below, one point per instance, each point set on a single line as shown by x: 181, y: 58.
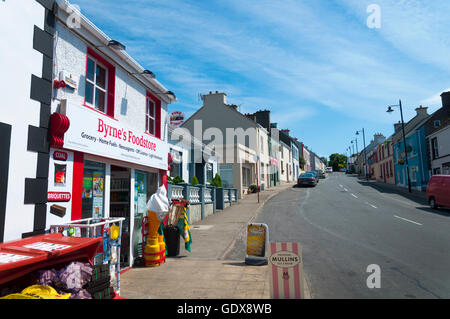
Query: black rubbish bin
x: 172, y: 237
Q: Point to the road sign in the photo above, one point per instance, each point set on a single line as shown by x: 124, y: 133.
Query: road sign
x: 286, y: 271
x: 256, y: 244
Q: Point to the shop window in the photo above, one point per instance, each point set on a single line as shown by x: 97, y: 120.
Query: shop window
x: 93, y: 197
x: 226, y: 173
x: 246, y: 176
x: 99, y: 84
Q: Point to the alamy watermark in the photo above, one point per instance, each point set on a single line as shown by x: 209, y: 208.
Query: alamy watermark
x: 374, y: 279
x: 74, y: 19
x: 374, y: 19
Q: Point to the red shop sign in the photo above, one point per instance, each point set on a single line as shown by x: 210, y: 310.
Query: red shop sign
x: 58, y: 155
x: 58, y: 196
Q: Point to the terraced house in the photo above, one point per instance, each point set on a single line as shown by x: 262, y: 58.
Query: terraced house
x: 415, y: 150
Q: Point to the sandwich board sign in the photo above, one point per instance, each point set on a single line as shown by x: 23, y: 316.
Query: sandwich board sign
x: 286, y: 271
x: 257, y: 240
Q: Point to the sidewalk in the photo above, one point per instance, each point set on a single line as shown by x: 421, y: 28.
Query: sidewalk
x: 204, y: 273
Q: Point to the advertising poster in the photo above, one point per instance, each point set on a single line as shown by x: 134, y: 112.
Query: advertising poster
x: 87, y: 187
x: 59, y: 192
x: 286, y: 271
x: 97, y: 184
x: 256, y: 243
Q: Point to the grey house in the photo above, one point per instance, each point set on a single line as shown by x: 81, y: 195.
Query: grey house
x: 234, y: 137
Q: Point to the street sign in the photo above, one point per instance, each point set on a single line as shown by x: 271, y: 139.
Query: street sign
x: 256, y: 244
x: 286, y: 271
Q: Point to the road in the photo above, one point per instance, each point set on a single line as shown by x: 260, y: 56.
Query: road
x: 345, y: 225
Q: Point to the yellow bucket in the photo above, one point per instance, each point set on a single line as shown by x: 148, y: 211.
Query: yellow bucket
x: 150, y: 260
x: 153, y: 240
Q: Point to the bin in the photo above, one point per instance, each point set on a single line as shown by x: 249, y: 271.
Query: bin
x: 172, y: 236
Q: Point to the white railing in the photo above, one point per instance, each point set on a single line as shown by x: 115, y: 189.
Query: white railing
x: 233, y: 195
x: 177, y: 192
x: 208, y: 195
x: 194, y: 195
x: 226, y: 198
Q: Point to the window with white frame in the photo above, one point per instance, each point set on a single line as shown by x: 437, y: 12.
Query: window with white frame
x: 150, y: 117
x: 96, y: 85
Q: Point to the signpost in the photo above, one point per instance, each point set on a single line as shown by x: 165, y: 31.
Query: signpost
x: 256, y: 244
x: 286, y: 271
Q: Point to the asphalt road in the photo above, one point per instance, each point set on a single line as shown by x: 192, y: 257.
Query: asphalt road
x: 344, y: 225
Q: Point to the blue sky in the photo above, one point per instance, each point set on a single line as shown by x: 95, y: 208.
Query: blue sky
x: 316, y: 65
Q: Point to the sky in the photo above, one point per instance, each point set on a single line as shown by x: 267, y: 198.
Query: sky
x: 316, y: 65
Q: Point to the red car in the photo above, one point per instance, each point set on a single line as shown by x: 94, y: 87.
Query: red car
x: 438, y: 191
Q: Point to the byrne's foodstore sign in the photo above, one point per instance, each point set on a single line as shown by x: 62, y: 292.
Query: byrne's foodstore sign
x: 99, y: 135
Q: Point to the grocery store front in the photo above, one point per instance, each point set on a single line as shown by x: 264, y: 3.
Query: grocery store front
x: 106, y: 176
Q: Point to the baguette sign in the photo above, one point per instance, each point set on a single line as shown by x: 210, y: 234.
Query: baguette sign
x: 58, y: 196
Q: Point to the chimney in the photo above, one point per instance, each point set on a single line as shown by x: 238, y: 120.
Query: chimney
x: 379, y: 138
x: 422, y: 111
x: 263, y: 118
x: 214, y: 99
x: 286, y: 131
x: 445, y: 100
x: 397, y: 126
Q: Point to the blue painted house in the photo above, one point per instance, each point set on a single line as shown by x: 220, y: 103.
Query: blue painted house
x: 416, y: 148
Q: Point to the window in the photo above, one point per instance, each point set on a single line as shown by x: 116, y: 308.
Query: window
x: 153, y: 115
x: 436, y: 123
x: 209, y: 172
x: 413, y: 174
x: 434, y: 148
x: 150, y: 117
x: 99, y: 83
x: 96, y: 84
x: 262, y: 171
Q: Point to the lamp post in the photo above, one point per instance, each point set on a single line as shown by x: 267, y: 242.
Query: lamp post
x: 365, y: 153
x: 390, y: 110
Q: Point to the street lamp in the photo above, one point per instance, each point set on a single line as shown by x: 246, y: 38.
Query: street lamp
x: 365, y: 153
x: 390, y: 110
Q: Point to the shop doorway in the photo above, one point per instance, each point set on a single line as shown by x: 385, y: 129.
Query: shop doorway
x: 146, y: 184
x: 120, y: 207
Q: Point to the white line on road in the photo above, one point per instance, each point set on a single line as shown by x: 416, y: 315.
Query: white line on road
x: 340, y: 185
x: 371, y: 205
x: 345, y: 189
x: 408, y: 220
x: 354, y: 195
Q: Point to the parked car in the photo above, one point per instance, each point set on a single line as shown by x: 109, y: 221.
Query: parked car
x: 438, y: 191
x: 329, y: 170
x: 315, y: 175
x: 307, y: 179
x: 321, y: 174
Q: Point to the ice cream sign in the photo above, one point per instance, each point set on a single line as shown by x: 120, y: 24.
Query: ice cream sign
x: 101, y: 135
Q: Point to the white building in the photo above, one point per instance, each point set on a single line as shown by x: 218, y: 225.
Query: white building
x: 26, y: 53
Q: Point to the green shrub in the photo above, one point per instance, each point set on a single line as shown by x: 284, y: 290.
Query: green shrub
x: 194, y: 181
x: 216, y: 181
x: 177, y: 180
